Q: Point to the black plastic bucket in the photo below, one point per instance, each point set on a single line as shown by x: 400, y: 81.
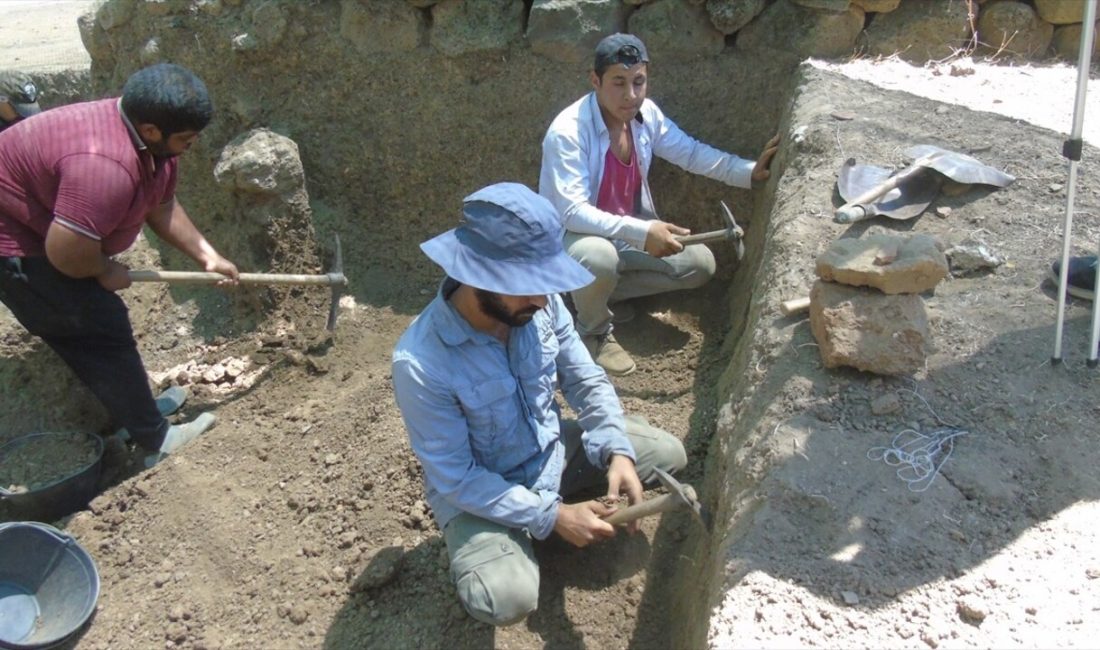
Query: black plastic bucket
x: 58, y: 498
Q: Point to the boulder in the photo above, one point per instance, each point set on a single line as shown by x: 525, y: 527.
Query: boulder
x: 676, y: 30
x: 114, y: 13
x: 886, y: 262
x: 919, y: 31
x: 94, y: 37
x: 568, y: 30
x: 868, y: 330
x: 380, y: 26
x: 728, y: 16
x: 970, y: 257
x: 1014, y: 28
x: 1067, y: 42
x: 1061, y: 12
x: 825, y: 5
x: 261, y: 162
x: 461, y: 26
x: 802, y: 32
x: 877, y: 6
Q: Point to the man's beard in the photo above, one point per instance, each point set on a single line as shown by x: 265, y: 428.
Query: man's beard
x: 159, y: 150
x: 491, y: 305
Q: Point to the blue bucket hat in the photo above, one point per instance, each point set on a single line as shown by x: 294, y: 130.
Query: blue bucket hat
x: 509, y: 242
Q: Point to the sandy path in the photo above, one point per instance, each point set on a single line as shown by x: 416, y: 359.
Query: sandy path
x: 41, y: 35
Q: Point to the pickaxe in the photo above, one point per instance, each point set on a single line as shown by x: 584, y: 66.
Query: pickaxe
x: 731, y: 231
x: 334, y: 278
x: 679, y: 497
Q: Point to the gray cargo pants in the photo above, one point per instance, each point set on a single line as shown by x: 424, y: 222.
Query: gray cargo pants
x: 626, y: 274
x: 494, y: 567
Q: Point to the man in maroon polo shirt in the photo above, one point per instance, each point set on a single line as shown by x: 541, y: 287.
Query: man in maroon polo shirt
x: 77, y: 184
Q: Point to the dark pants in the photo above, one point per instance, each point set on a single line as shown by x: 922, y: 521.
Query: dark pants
x: 89, y: 328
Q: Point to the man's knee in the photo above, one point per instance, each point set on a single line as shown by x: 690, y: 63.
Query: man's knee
x: 597, y: 254
x: 654, y: 448
x: 700, y: 261
x: 500, y: 594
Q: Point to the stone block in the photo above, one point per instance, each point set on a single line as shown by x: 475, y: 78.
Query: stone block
x: 1014, y: 28
x: 868, y: 330
x: 461, y: 26
x: 877, y: 6
x: 94, y: 37
x: 676, y: 30
x: 838, y: 6
x: 380, y: 26
x: 728, y: 16
x: 803, y: 32
x: 261, y: 162
x: 114, y: 13
x: 1061, y: 12
x: 1067, y: 42
x: 888, y: 263
x: 919, y: 31
x: 568, y: 30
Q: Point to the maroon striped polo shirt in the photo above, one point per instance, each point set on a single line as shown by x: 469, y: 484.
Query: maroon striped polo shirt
x: 84, y: 166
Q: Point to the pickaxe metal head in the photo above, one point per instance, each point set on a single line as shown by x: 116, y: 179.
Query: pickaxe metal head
x: 337, y: 281
x: 685, y: 495
x: 731, y: 232
x: 738, y: 235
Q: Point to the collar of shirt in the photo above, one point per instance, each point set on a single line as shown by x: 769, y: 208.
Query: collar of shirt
x: 139, y: 144
x: 453, y: 329
x: 597, y: 116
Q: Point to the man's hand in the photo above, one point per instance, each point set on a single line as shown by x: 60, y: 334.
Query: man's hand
x: 115, y: 278
x: 622, y: 477
x: 218, y: 264
x: 580, y: 524
x: 762, y: 170
x: 660, y: 240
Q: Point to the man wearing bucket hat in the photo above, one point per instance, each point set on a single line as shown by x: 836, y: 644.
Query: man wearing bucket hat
x: 595, y: 160
x: 18, y: 98
x: 77, y: 184
x: 475, y: 377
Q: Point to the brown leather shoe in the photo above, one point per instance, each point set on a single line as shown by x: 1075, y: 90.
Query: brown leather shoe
x: 610, y: 356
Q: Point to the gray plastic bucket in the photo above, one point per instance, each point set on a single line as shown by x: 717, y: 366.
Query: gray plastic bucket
x: 49, y: 586
x: 54, y: 500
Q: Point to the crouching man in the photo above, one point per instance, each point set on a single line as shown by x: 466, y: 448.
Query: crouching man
x: 475, y: 377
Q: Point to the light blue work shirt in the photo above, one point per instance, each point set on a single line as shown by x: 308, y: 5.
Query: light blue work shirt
x: 482, y: 417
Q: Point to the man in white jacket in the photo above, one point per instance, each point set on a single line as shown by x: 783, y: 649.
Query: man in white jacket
x: 595, y: 159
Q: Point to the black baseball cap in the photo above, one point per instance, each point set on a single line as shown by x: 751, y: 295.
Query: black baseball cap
x: 19, y: 91
x: 624, y: 49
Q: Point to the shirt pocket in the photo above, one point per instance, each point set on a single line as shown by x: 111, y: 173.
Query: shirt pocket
x: 491, y: 414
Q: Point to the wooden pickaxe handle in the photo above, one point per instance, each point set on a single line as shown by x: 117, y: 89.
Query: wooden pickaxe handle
x: 704, y: 237
x: 794, y: 305
x: 200, y: 277
x: 656, y: 505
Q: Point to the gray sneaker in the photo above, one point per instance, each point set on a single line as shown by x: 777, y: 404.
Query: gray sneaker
x: 168, y: 402
x: 609, y: 355
x: 179, y: 435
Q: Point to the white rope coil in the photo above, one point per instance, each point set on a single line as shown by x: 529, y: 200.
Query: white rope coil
x: 918, y: 456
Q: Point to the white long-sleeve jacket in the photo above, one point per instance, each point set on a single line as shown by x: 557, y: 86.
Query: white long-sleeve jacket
x: 573, y: 154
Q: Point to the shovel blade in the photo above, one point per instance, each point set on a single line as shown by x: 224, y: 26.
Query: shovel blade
x: 904, y: 202
x: 960, y: 167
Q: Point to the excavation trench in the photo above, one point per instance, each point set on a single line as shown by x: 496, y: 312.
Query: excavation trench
x: 389, y: 145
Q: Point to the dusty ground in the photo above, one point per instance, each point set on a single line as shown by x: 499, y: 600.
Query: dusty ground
x: 260, y: 534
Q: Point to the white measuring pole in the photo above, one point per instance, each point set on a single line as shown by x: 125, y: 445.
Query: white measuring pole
x: 1071, y: 149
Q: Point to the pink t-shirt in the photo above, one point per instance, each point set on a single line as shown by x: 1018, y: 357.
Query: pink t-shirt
x: 620, y: 184
x: 82, y: 165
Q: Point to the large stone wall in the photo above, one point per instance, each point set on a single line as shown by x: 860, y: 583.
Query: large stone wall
x: 401, y: 108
